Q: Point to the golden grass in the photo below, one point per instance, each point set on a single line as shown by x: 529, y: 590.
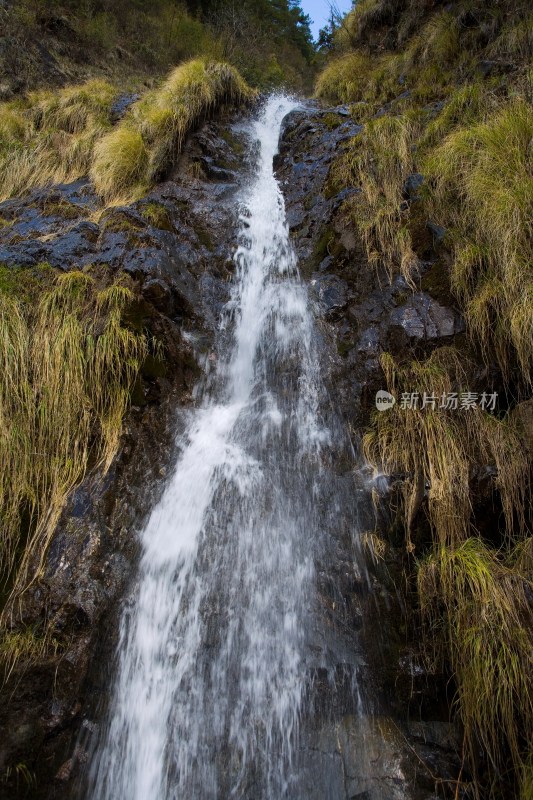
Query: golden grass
x: 145, y: 145
x: 66, y: 370
x: 482, y: 181
x: 49, y: 138
x: 466, y: 105
x: 439, y: 448
x: 379, y: 160
x: 55, y: 137
x: 486, y: 631
x: 476, y: 155
x: 438, y: 42
x: 515, y: 40
x: 365, y: 16
x: 22, y: 648
x: 475, y: 600
x: 120, y: 162
x: 344, y: 79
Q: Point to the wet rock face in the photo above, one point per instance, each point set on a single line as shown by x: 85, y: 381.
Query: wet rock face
x: 176, y: 244
x: 178, y: 234
x: 363, y: 313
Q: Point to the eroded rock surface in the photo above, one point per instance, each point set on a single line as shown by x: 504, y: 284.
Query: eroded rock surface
x: 176, y: 244
x: 362, y: 312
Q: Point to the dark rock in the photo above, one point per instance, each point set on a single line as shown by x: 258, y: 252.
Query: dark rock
x: 121, y: 105
x: 158, y: 293
x: 74, y: 246
x: 23, y: 254
x: 332, y: 292
x: 437, y: 230
x: 421, y: 317
x: 434, y: 732
x: 412, y: 185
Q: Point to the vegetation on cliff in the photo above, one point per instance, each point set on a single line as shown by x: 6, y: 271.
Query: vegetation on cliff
x: 131, y: 41
x: 143, y: 147
x: 68, y: 364
x: 56, y: 137
x: 68, y: 360
x: 444, y: 94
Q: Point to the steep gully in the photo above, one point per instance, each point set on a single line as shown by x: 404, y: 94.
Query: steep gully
x: 243, y: 668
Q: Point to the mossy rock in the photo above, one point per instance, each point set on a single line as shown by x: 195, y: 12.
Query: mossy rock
x: 436, y: 282
x: 204, y: 237
x: 157, y: 215
x: 324, y: 244
x: 233, y: 141
x: 26, y: 283
x: 59, y: 207
x: 332, y: 121
x: 120, y: 222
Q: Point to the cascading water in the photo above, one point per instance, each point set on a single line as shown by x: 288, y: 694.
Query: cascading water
x: 213, y: 660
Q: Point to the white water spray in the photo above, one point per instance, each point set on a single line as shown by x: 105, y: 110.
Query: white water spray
x: 211, y: 679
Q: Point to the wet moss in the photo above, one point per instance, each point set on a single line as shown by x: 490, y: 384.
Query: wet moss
x: 25, y: 283
x: 203, y: 235
x: 332, y: 121
x: 402, y: 298
x: 333, y: 185
x: 344, y: 346
x: 120, y: 223
x: 157, y: 215
x: 436, y: 282
x: 236, y: 145
x: 324, y: 244
x: 59, y: 207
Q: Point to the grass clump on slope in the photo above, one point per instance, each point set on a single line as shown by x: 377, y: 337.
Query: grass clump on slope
x: 56, y: 137
x: 67, y: 366
x: 439, y: 447
x: 379, y: 161
x: 144, y: 146
x: 482, y: 190
x: 487, y: 633
x: 474, y: 598
x: 49, y: 137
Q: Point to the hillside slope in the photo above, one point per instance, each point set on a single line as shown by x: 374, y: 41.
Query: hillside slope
x: 440, y: 180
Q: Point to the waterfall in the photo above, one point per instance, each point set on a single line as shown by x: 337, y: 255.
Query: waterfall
x: 213, y: 659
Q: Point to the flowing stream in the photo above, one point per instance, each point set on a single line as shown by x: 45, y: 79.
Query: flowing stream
x: 213, y: 669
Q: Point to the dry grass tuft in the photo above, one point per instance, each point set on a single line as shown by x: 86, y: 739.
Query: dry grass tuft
x: 22, y: 648
x: 379, y: 160
x: 438, y: 448
x: 482, y: 179
x: 55, y: 137
x: 49, y: 138
x: 344, y: 79
x: 66, y: 370
x: 144, y: 147
x: 486, y: 631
